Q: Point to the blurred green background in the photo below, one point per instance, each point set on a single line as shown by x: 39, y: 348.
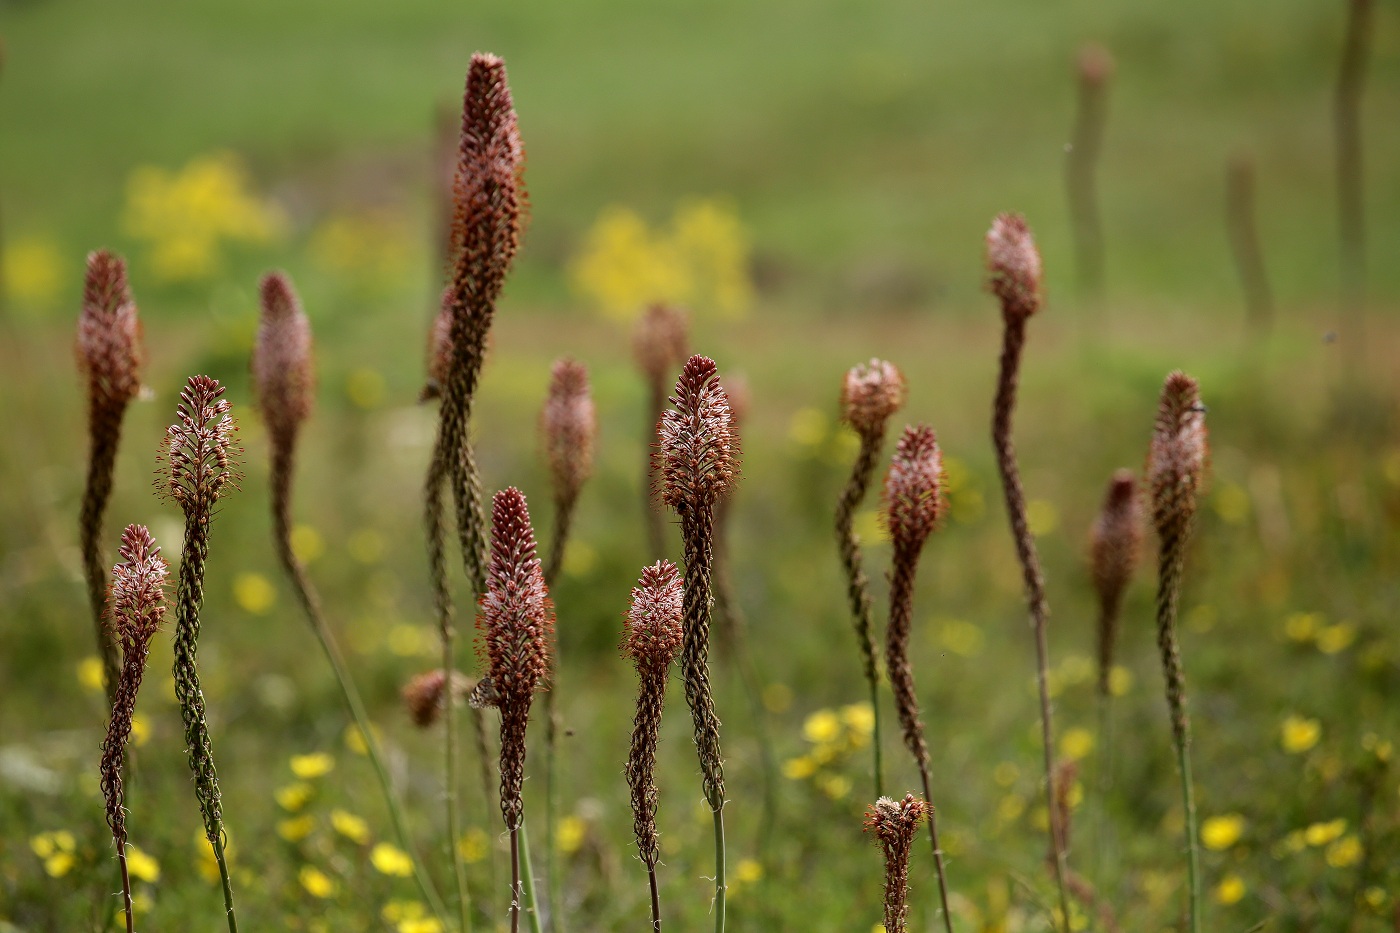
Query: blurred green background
x: 843, y: 160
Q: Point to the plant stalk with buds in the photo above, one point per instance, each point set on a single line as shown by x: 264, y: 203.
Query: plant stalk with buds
x: 698, y: 461
x: 894, y: 825
x: 199, y: 468
x: 1176, y: 463
x: 136, y: 607
x: 110, y: 357
x: 660, y: 345
x: 870, y: 394
x: 1014, y: 276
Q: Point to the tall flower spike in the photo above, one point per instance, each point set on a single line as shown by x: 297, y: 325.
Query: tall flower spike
x: 569, y: 424
x: 894, y: 825
x: 660, y: 345
x: 282, y: 374
x: 110, y: 357
x: 1013, y: 264
x: 1115, y: 542
x: 199, y: 447
x: 914, y: 488
x: 870, y: 394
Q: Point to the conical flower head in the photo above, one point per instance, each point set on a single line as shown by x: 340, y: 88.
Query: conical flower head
x: 109, y: 334
x: 698, y: 458
x: 1115, y: 540
x: 871, y: 393
x: 282, y: 371
x: 660, y: 342
x: 569, y: 424
x: 1176, y: 458
x: 1013, y: 266
x: 136, y: 601
x: 895, y: 822
x: 652, y: 633
x: 914, y: 488
x: 198, y: 449
x: 516, y: 617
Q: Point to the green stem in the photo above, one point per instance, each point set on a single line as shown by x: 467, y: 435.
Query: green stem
x: 1105, y: 781
x: 527, y: 880
x: 718, y: 808
x: 875, y: 740
x: 454, y: 830
x: 126, y: 885
x: 1188, y: 801
x: 218, y: 843
x: 551, y: 808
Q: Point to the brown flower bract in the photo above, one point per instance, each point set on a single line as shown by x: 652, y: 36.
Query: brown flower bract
x: 109, y: 334
x: 569, y: 423
x: 698, y: 458
x: 1176, y: 458
x: 198, y: 449
x: 1013, y: 266
x: 871, y: 393
x: 914, y: 488
x: 517, y: 618
x: 282, y: 372
x: 652, y: 632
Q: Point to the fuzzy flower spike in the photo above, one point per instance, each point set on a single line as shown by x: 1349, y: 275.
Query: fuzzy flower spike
x: 136, y: 607
x: 660, y: 345
x: 1176, y: 463
x: 1115, y: 542
x: 199, y: 468
x: 894, y: 823
x: 569, y: 426
x: 110, y: 357
x: 698, y: 461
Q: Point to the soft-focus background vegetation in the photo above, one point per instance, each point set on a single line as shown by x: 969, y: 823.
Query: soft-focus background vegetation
x: 813, y: 179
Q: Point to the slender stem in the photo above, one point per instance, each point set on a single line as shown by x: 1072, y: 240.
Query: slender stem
x: 1105, y: 782
x: 105, y: 429
x: 527, y: 879
x: 937, y: 849
x: 656, y: 536
x: 454, y: 829
x: 717, y: 805
x: 555, y: 891
x: 655, y: 901
x: 126, y: 885
x: 1188, y: 802
x: 1351, y: 79
x: 515, y: 880
x: 218, y: 843
x: 876, y: 739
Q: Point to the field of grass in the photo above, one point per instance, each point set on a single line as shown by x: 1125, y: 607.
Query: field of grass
x: 866, y: 148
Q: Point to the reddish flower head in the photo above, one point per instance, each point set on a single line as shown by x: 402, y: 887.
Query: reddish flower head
x: 136, y: 601
x: 652, y: 633
x: 1116, y: 538
x: 870, y: 394
x: 1176, y: 458
x: 660, y: 342
x: 569, y: 424
x: 109, y: 335
x: 282, y: 375
x: 198, y: 447
x: 914, y: 488
x: 699, y: 454
x: 517, y: 617
x: 1013, y: 266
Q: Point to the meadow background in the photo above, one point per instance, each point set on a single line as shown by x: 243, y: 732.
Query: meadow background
x: 827, y: 169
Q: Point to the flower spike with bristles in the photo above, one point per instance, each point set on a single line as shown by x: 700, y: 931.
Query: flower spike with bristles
x: 1013, y: 265
x: 135, y: 610
x: 282, y: 374
x: 568, y: 424
x: 894, y: 824
x: 1115, y: 542
x: 110, y: 357
x: 870, y: 394
x: 198, y: 448
x: 660, y: 345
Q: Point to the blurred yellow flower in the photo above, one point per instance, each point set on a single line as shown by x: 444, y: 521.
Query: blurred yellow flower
x: 747, y: 872
x: 1300, y: 734
x: 797, y: 769
x: 835, y: 786
x: 821, y: 726
x: 1230, y: 890
x: 316, y: 882
x: 33, y: 270
x: 859, y: 718
x: 1231, y: 502
x: 371, y: 247
x: 1120, y: 680
x: 314, y: 765
x: 1335, y: 638
x: 1010, y: 808
x: 355, y: 739
x: 398, y: 910
x: 56, y: 849
x: 1076, y: 743
x: 365, y: 388
x: 90, y: 673
x: 1302, y: 626
x: 962, y: 638
x: 419, y: 925
x: 474, y: 846
x: 140, y: 731
x: 205, y: 863
x: 709, y: 237
x: 1319, y: 834
x: 1345, y: 852
x: 1221, y: 832
x: 569, y: 836
x: 1006, y: 773
x: 293, y: 797
x: 253, y: 592
x: 350, y: 826
x: 391, y: 860
x: 140, y: 865
x: 1042, y: 517
x: 777, y: 698
x: 297, y: 828
x: 307, y: 543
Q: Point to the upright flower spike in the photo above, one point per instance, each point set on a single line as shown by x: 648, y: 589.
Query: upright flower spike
x: 913, y: 500
x: 1094, y: 70
x: 652, y: 638
x: 1014, y: 276
x: 698, y: 461
x: 870, y: 394
x: 894, y: 824
x: 569, y: 426
x: 660, y: 345
x: 1115, y: 543
x: 1176, y: 462
x: 110, y: 357
x: 517, y: 625
x: 199, y: 455
x: 135, y: 610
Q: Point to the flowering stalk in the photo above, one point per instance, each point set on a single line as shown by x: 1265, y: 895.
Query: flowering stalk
x: 1243, y: 231
x: 1066, y: 772
x: 285, y: 384
x: 1094, y: 69
x: 136, y: 609
x: 1351, y: 200
x: 698, y: 461
x: 199, y: 467
x: 913, y: 499
x: 517, y: 625
x: 660, y: 345
x: 870, y: 394
x: 894, y: 824
x: 1013, y: 265
x: 1175, y: 472
x: 569, y: 425
x: 110, y: 357
x: 652, y: 637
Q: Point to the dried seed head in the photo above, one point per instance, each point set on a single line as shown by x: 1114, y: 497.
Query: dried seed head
x: 198, y: 449
x: 698, y: 458
x: 136, y: 601
x: 1177, y: 456
x: 1013, y: 266
x: 1094, y: 64
x: 489, y: 191
x: 1115, y: 541
x: 871, y: 393
x: 516, y: 618
x: 652, y: 632
x: 895, y: 821
x: 282, y: 374
x: 660, y: 342
x: 914, y: 488
x: 425, y: 695
x: 109, y: 334
x: 569, y: 424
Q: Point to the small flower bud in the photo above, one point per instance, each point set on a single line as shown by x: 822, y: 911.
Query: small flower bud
x: 1177, y: 456
x: 282, y: 375
x: 569, y: 424
x: 109, y: 335
x: 660, y: 342
x: 914, y: 488
x: 1013, y: 266
x: 652, y: 634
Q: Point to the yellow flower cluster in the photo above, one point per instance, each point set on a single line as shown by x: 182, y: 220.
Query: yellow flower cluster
x: 56, y: 848
x: 1311, y: 628
x: 701, y: 261
x: 409, y: 917
x: 372, y: 247
x: 33, y: 271
x: 187, y: 215
x: 834, y: 736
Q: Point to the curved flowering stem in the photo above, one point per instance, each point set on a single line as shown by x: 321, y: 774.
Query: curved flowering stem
x: 913, y: 500
x: 284, y: 380
x: 1176, y: 462
x: 110, y: 357
x: 199, y: 468
x: 660, y: 346
x: 894, y: 824
x: 870, y: 394
x: 136, y: 608
x: 698, y: 461
x: 1094, y: 69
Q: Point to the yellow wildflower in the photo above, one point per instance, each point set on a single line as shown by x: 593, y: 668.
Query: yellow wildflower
x: 419, y: 925
x: 254, y: 593
x: 1335, y: 638
x: 835, y: 786
x: 297, y: 828
x: 307, y: 543
x: 316, y: 882
x: 1120, y: 680
x: 859, y: 718
x: 1345, y: 852
x: 90, y: 673
x: 1302, y: 626
x: 140, y: 865
x: 293, y: 797
x: 1319, y: 834
x: 1300, y: 734
x: 570, y: 834
x: 1042, y: 517
x: 398, y: 910
x: 350, y: 826
x: 355, y: 739
x: 391, y: 860
x: 747, y: 872
x: 1076, y: 743
x: 1006, y: 773
x: 474, y: 846
x: 56, y: 849
x: 797, y: 769
x: 821, y: 726
x: 311, y: 766
x: 33, y: 270
x: 140, y: 731
x: 1221, y: 832
x: 1230, y: 890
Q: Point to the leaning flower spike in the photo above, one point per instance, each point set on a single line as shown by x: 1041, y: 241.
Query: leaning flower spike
x: 136, y: 608
x: 698, y: 461
x: 517, y: 625
x: 913, y: 500
x: 894, y: 824
x: 1176, y: 463
x: 660, y: 344
x: 199, y: 468
x: 285, y: 384
x: 1114, y: 546
x: 870, y: 394
x: 1013, y: 275
x: 652, y: 638
x: 109, y: 359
